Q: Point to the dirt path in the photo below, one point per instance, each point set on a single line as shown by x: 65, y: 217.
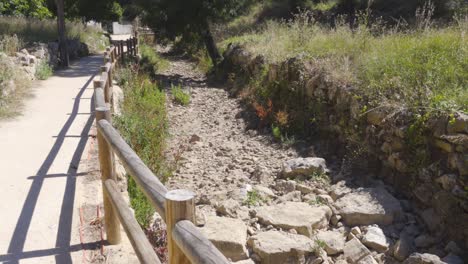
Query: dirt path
x: 41, y: 158
x: 216, y: 151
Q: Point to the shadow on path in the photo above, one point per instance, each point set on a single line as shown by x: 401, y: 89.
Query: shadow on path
x: 62, y: 248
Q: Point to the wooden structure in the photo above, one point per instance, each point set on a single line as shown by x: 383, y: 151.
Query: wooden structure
x: 185, y: 242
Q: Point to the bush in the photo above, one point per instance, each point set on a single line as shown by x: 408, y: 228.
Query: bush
x: 43, y: 70
x: 151, y: 62
x: 10, y: 44
x: 11, y: 74
x: 144, y: 126
x: 179, y: 96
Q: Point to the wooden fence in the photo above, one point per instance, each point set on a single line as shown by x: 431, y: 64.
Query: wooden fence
x: 185, y: 242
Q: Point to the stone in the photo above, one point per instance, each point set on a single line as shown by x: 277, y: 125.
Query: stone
x: 403, y: 248
x: 367, y: 260
x: 424, y: 241
x: 334, y: 241
x: 335, y: 219
x: 452, y: 259
x: 339, y: 190
x: 375, y: 238
x: 229, y: 235
x: 285, y: 186
x: 228, y: 208
x: 418, y: 258
x: 294, y: 196
x: 459, y: 124
x: 452, y: 247
x: 354, y: 250
x: 325, y: 198
x: 260, y: 174
x: 376, y: 116
x: 443, y: 145
x: 304, y: 189
x: 303, y: 167
x: 264, y: 192
x: 277, y: 247
x: 369, y: 206
x: 431, y: 219
x: 245, y: 261
x: 356, y: 231
x: 294, y: 215
x: 447, y: 181
x: 457, y: 139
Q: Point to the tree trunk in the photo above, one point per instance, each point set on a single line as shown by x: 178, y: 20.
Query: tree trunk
x: 63, y: 49
x: 211, y: 45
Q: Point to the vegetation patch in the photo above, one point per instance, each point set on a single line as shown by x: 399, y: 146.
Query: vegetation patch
x: 43, y: 70
x: 179, y: 96
x: 143, y: 124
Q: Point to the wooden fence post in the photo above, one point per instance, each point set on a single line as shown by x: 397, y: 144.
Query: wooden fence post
x: 180, y: 205
x: 106, y: 161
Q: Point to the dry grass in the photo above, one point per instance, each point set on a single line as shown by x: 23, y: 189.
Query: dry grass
x: 423, y: 68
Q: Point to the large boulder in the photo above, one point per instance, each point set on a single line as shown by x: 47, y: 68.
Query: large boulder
x: 229, y: 235
x: 276, y: 247
x: 301, y: 217
x: 418, y: 258
x: 333, y: 241
x: 368, y: 206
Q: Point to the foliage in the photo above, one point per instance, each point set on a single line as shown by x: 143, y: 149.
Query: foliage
x: 411, y: 68
x: 10, y: 44
x: 143, y: 124
x: 27, y: 8
x: 11, y: 74
x: 179, y: 96
x: 253, y: 198
x: 151, y: 62
x: 45, y: 30
x: 102, y: 10
x: 43, y: 70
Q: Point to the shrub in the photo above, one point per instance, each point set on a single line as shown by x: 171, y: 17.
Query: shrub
x: 179, y: 96
x: 10, y: 44
x: 150, y: 59
x: 43, y: 70
x: 11, y: 73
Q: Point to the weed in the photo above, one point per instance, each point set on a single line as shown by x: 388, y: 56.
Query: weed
x: 43, y: 70
x: 10, y: 44
x: 253, y: 198
x: 276, y: 132
x: 319, y: 245
x: 319, y: 176
x: 179, y: 96
x: 150, y: 59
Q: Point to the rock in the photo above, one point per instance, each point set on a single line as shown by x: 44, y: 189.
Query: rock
x: 403, y: 248
x: 276, y: 247
x: 293, y: 215
x: 368, y: 206
x: 418, y: 258
x: 443, y: 145
x: 367, y: 260
x: 431, y: 219
x: 325, y: 198
x: 228, y: 235
x: 246, y: 261
x: 294, y: 196
x: 424, y: 241
x: 354, y: 250
x: 228, y: 208
x: 264, y: 192
x: 194, y: 138
x: 303, y: 167
x: 376, y: 239
x: 304, y: 189
x: 335, y: 219
x: 448, y: 181
x: 334, y: 241
x: 460, y: 124
x: 339, y: 190
x: 260, y: 174
x: 285, y: 186
x: 452, y: 247
x: 452, y: 259
x: 356, y: 231
x: 376, y: 117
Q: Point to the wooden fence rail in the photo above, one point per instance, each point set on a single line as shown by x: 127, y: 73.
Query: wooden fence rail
x: 186, y: 244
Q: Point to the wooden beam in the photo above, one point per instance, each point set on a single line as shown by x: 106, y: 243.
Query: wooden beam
x: 195, y: 245
x: 180, y: 205
x: 141, y: 245
x: 146, y: 180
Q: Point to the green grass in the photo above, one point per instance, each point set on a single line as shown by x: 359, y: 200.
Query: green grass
x: 45, y: 30
x: 179, y: 96
x: 253, y: 198
x: 43, y: 70
x: 143, y: 124
x: 150, y: 60
x: 411, y: 69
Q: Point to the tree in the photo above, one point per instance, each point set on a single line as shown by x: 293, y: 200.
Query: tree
x: 64, y: 59
x: 190, y: 19
x: 27, y: 8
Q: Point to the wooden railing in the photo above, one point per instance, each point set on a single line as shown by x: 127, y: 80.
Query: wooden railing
x: 185, y: 242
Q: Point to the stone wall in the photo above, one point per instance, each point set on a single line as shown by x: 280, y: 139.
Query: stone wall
x: 424, y: 157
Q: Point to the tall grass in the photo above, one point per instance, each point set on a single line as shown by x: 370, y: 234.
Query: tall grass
x: 426, y: 68
x: 10, y: 72
x: 45, y: 30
